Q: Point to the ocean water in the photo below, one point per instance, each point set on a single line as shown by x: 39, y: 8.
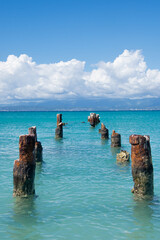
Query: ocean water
x: 81, y: 192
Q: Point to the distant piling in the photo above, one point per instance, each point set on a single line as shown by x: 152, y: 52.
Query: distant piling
x: 38, y: 145
x: 59, y: 129
x: 104, y: 132
x: 142, y: 168
x: 33, y: 131
x: 93, y: 119
x: 24, y: 167
x: 115, y: 139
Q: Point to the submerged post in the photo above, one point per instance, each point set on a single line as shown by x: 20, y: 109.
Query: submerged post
x: 123, y: 157
x: 24, y: 167
x: 93, y: 119
x: 142, y: 168
x: 104, y: 132
x: 38, y: 145
x: 115, y: 139
x: 59, y: 129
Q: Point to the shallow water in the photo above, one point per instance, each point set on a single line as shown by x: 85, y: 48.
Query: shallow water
x: 81, y: 192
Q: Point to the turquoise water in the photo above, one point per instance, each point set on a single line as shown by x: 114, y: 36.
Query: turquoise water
x: 81, y: 192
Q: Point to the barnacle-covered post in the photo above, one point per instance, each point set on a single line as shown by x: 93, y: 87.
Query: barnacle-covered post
x: 142, y: 168
x: 104, y: 132
x: 59, y: 129
x: 115, y: 139
x: 38, y: 145
x: 123, y: 157
x: 24, y: 167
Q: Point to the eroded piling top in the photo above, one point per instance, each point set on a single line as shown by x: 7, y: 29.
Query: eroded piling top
x: 103, y: 127
x: 114, y: 133
x: 135, y: 139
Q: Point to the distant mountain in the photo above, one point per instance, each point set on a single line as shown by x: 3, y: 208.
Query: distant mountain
x: 83, y: 104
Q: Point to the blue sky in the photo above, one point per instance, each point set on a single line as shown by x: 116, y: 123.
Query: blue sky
x: 79, y: 48
x: 88, y: 30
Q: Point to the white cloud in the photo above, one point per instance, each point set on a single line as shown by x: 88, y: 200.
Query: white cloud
x: 127, y: 76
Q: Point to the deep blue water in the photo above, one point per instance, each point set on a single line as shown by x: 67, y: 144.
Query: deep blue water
x: 81, y: 191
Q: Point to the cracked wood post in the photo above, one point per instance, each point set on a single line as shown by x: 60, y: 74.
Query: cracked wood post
x: 59, y: 129
x: 115, y: 139
x: 104, y: 132
x: 38, y: 145
x: 24, y: 167
x: 142, y: 168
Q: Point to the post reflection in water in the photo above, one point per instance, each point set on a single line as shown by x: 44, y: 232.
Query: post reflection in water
x: 39, y: 168
x: 104, y: 142
x: 25, y: 219
x: 115, y: 150
x: 142, y: 219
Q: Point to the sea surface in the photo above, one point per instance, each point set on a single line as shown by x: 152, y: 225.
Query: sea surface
x: 81, y: 192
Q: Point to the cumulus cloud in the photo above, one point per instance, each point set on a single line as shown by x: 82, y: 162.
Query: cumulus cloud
x: 126, y: 77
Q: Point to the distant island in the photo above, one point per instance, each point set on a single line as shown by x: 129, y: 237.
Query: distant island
x: 84, y: 104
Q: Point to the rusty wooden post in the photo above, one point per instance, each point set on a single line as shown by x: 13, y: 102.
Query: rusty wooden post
x: 115, y: 139
x: 24, y: 167
x: 59, y: 129
x: 142, y: 168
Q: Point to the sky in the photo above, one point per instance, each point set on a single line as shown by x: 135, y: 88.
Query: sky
x: 58, y: 49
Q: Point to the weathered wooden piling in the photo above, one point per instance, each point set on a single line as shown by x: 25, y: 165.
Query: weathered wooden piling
x: 38, y: 145
x: 38, y: 152
x: 142, y: 168
x: 24, y: 167
x: 104, y: 132
x: 115, y: 139
x: 59, y: 129
x: 93, y: 119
